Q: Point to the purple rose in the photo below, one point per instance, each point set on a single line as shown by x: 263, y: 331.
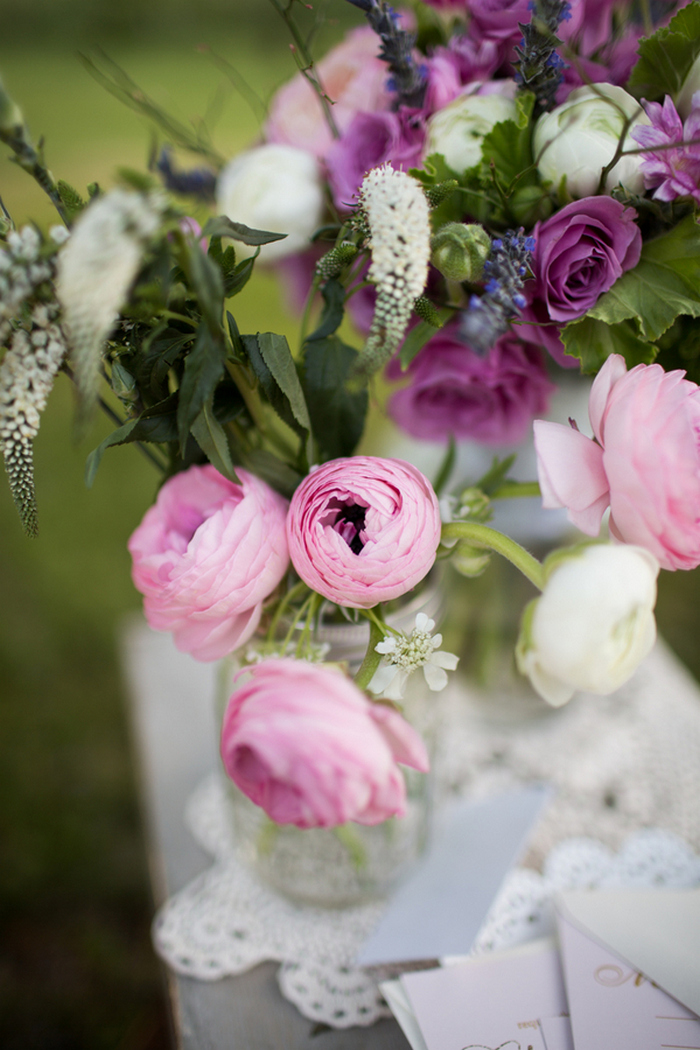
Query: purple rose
x: 580, y: 253
x: 453, y: 390
x: 499, y: 19
x: 450, y: 69
x: 371, y: 140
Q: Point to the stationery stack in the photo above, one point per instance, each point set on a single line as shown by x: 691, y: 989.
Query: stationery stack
x: 623, y: 974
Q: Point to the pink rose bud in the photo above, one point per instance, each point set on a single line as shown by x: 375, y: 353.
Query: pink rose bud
x: 302, y: 741
x: 206, y: 555
x: 644, y: 462
x: 363, y: 530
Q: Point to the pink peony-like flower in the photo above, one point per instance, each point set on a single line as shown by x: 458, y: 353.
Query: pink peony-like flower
x: 580, y: 253
x: 643, y: 462
x: 371, y: 140
x: 363, y: 530
x: 490, y: 398
x: 351, y: 74
x: 302, y: 741
x: 206, y: 555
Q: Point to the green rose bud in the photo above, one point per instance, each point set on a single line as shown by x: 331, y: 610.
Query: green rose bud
x: 459, y: 251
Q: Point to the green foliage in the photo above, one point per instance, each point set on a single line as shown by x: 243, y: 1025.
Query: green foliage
x: 666, y: 57
x: 333, y: 295
x: 418, y: 337
x: 211, y: 438
x: 337, y: 414
x: 204, y: 367
x: 70, y: 199
x: 221, y: 226
x: 274, y: 471
x: 273, y: 365
x: 643, y: 303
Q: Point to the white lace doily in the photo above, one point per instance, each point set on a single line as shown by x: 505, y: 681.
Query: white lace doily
x: 619, y: 763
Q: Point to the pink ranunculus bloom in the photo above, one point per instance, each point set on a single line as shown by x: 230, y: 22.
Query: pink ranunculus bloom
x: 304, y: 743
x: 490, y: 398
x: 352, y: 76
x: 206, y: 555
x: 363, y: 530
x: 451, y: 69
x: 643, y: 462
x: 371, y: 140
x: 580, y: 252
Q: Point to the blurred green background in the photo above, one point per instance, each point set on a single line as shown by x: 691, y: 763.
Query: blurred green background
x: 76, y: 967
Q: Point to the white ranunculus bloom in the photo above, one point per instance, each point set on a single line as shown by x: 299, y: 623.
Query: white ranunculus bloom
x: 579, y: 138
x: 458, y: 130
x: 276, y: 188
x: 592, y: 625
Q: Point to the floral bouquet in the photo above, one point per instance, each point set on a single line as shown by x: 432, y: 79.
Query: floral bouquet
x: 492, y: 190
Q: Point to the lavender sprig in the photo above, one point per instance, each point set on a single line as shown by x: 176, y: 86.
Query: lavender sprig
x: 197, y: 182
x: 539, y: 67
x: 408, y: 79
x: 506, y: 270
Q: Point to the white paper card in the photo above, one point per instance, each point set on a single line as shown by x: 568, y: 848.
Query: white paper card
x: 498, y: 1000
x: 613, y: 1005
x: 441, y: 906
x: 401, y: 1009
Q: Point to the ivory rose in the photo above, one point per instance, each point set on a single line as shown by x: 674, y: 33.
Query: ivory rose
x: 363, y: 530
x: 593, y: 624
x: 302, y: 741
x: 644, y: 462
x: 206, y: 555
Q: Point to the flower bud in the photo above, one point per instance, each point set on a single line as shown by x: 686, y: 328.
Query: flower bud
x: 579, y: 138
x: 457, y: 131
x: 276, y: 188
x: 459, y: 251
x: 470, y: 561
x: 593, y: 624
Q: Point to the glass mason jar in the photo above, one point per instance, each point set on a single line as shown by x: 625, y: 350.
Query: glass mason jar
x: 353, y: 863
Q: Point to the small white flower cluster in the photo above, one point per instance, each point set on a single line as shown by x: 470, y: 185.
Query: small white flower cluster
x: 21, y: 272
x: 314, y: 652
x: 95, y: 272
x: 398, y: 216
x: 27, y: 374
x: 405, y: 654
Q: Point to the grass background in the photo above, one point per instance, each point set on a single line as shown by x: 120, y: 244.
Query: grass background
x: 76, y: 967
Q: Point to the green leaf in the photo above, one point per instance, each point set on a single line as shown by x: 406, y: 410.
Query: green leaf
x: 666, y: 57
x: 236, y: 281
x: 234, y: 333
x: 117, y: 437
x: 222, y: 226
x: 211, y: 438
x: 446, y: 467
x: 207, y: 283
x: 337, y: 415
x: 333, y: 309
x: 274, y: 471
x: 204, y: 366
x: 494, y: 477
x: 593, y: 341
x: 664, y: 283
x: 416, y: 339
x: 274, y: 367
x: 70, y: 199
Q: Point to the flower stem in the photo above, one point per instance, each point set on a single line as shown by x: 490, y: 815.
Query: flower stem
x: 517, y: 489
x: 490, y: 539
x: 292, y: 594
x: 372, y: 658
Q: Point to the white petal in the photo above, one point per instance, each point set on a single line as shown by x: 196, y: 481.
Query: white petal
x: 387, y: 646
x: 424, y: 624
x: 447, y: 660
x: 435, y: 677
x: 382, y: 677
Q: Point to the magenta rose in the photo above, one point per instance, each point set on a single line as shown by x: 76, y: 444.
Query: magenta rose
x: 363, y: 530
x: 205, y: 557
x: 644, y: 462
x: 304, y: 743
x: 455, y: 391
x: 580, y: 253
x: 371, y: 140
